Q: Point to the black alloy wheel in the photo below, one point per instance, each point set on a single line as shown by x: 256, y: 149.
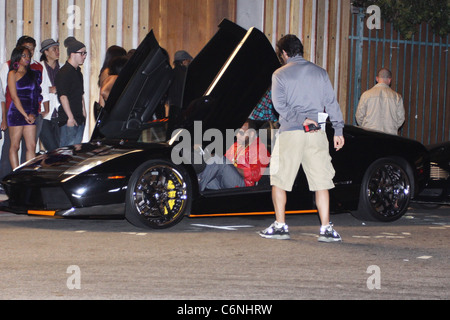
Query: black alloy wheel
x: 385, y: 191
x: 159, y: 195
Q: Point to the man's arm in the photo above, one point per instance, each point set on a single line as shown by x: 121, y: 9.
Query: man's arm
x: 4, y: 123
x: 332, y: 107
x: 400, y: 113
x: 3, y: 109
x: 46, y: 109
x: 361, y: 111
x: 84, y: 107
x: 279, y: 96
x: 4, y: 76
x: 334, y: 111
x: 66, y: 106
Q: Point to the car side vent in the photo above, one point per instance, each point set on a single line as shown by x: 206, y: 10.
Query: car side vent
x: 437, y: 173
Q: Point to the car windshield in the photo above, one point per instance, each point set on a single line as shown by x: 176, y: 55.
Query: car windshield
x: 155, y: 131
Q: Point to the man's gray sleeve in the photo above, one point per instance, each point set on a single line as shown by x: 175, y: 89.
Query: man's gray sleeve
x: 332, y: 108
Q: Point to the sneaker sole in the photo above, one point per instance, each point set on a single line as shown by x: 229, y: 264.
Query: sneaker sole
x: 329, y: 240
x: 276, y: 237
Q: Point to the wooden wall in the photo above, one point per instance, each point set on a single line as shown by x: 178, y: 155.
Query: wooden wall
x: 322, y: 25
x: 178, y: 24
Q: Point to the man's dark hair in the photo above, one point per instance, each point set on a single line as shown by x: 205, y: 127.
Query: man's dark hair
x: 291, y: 44
x: 25, y: 39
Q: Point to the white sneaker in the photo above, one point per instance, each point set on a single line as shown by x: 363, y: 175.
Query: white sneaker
x: 328, y: 234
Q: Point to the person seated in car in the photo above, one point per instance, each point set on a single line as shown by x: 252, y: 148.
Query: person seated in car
x: 242, y: 166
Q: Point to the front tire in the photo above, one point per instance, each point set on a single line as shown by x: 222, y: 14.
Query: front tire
x: 385, y: 191
x: 159, y: 195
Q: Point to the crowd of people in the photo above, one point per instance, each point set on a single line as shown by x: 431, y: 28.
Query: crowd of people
x: 41, y: 100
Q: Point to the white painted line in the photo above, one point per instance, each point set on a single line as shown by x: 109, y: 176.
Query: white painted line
x: 309, y: 234
x: 228, y: 228
x: 425, y: 257
x: 135, y: 233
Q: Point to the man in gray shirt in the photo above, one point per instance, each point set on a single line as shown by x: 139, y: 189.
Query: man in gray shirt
x: 301, y: 91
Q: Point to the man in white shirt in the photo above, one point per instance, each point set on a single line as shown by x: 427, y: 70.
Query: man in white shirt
x: 381, y: 108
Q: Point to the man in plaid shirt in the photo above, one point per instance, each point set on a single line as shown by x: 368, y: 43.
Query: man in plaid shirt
x: 264, y: 109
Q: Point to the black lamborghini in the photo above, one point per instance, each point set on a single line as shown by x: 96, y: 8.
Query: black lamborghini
x: 128, y: 169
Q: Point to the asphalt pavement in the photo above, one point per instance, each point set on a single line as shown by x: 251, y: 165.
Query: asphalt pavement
x: 225, y: 259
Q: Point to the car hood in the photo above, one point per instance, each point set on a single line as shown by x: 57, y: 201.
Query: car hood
x: 64, y: 163
x: 223, y: 84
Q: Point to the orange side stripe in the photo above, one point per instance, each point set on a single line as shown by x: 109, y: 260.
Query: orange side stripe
x: 248, y: 214
x: 42, y: 213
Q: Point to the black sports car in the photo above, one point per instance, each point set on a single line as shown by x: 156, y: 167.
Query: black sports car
x: 128, y: 167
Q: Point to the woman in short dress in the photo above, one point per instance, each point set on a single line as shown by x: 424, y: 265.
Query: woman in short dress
x: 23, y: 100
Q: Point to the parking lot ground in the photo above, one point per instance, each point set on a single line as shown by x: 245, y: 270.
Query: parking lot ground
x: 224, y: 258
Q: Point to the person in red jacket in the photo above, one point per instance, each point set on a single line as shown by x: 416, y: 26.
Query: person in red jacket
x: 243, y: 166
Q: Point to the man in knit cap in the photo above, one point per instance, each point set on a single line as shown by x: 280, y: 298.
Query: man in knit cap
x: 70, y: 89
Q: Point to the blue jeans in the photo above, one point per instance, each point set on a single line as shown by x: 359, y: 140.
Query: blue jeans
x: 71, y: 135
x: 220, y: 174
x: 50, y: 134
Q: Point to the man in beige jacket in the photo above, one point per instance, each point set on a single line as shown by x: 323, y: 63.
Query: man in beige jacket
x: 381, y: 108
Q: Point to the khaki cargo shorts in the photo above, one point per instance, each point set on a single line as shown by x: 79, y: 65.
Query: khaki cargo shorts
x: 295, y: 148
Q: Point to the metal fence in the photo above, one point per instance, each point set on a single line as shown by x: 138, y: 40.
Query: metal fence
x: 420, y: 69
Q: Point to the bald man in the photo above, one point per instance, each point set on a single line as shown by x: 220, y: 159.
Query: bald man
x: 381, y: 108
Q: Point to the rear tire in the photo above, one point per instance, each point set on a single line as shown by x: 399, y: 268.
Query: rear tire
x: 385, y: 191
x: 159, y: 195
